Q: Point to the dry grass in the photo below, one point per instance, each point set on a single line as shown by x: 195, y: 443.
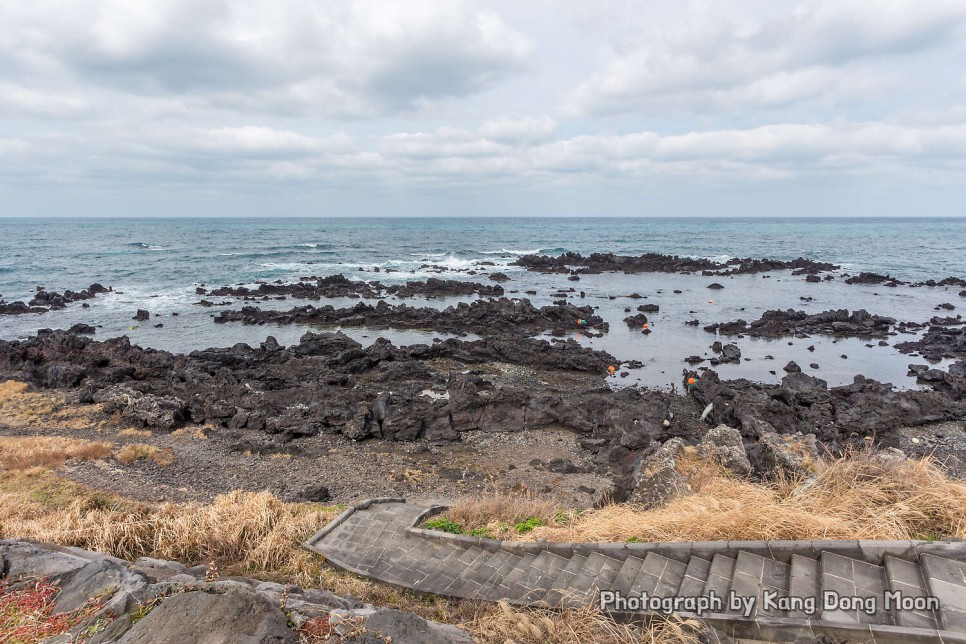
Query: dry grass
x: 131, y: 432
x: 860, y: 496
x: 257, y: 535
x: 240, y: 531
x: 140, y: 451
x: 53, y: 411
x: 534, y: 626
x: 189, y: 431
x: 22, y: 452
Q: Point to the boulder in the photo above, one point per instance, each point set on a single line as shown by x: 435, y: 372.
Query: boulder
x: 656, y: 480
x: 396, y: 626
x: 794, y: 455
x: 141, y: 315
x: 723, y: 445
x: 315, y: 493
x: 162, y: 412
x: 234, y: 617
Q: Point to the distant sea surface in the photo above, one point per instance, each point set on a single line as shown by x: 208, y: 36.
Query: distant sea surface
x: 159, y: 253
x: 157, y: 263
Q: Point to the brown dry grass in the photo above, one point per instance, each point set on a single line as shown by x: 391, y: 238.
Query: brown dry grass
x: 860, y: 496
x: 22, y: 452
x: 130, y: 431
x: 140, y: 451
x: 256, y: 534
x: 43, y: 411
x: 243, y: 531
x: 506, y: 623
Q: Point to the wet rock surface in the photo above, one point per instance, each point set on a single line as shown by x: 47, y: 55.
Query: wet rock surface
x: 836, y: 416
x: 840, y: 323
x: 484, y: 317
x: 268, y: 398
x: 658, y: 263
x: 158, y: 601
x: 316, y: 288
x: 328, y: 383
x: 44, y: 300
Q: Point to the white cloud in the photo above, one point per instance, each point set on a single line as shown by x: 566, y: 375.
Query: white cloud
x: 342, y: 58
x: 830, y: 49
x: 425, y: 102
x: 519, y: 129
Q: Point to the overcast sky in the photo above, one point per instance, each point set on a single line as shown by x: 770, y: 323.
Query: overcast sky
x: 523, y: 107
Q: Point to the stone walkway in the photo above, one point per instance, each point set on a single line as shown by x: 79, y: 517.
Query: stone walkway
x: 379, y: 539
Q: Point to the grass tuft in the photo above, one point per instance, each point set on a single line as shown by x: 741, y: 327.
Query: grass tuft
x: 861, y: 496
x: 139, y: 451
x: 24, y: 452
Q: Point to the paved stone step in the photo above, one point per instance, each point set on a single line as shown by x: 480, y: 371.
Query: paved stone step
x: 695, y: 576
x: 852, y: 578
x: 533, y: 585
x: 597, y: 572
x: 490, y: 573
x: 469, y: 580
x: 946, y: 580
x: 804, y: 581
x: 561, y: 589
x: 761, y: 578
x: 659, y: 576
x: 626, y: 575
x: 906, y: 577
x: 376, y: 540
x: 506, y: 588
x: 452, y: 566
x: 719, y: 576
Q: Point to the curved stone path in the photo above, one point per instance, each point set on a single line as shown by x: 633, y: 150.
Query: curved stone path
x: 379, y: 539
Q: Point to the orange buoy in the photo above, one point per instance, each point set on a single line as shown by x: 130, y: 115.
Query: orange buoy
x: 612, y: 369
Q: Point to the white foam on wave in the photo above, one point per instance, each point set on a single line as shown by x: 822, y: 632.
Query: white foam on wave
x: 721, y: 259
x: 510, y: 251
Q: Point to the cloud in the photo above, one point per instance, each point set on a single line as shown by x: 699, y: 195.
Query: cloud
x: 519, y: 129
x: 339, y: 58
x: 828, y: 50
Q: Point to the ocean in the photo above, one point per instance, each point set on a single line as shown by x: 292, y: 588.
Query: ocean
x: 156, y: 264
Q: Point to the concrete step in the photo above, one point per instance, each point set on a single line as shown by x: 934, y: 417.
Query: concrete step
x: 719, y: 577
x: 627, y: 574
x: 452, y: 566
x: 761, y: 578
x: 695, y: 576
x: 506, y: 588
x: 946, y: 581
x: 850, y: 578
x: 506, y: 562
x: 658, y: 576
x: 905, y: 577
x: 533, y: 584
x: 377, y: 543
x: 804, y: 582
x: 597, y: 572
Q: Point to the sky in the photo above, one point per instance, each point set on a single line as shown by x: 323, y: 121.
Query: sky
x: 496, y: 108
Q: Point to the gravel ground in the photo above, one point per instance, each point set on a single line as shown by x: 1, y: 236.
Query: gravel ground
x: 224, y: 461
x: 945, y: 442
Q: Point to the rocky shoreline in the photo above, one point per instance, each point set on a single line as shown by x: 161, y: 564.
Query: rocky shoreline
x: 44, y: 300
x: 270, y: 397
x: 483, y: 317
